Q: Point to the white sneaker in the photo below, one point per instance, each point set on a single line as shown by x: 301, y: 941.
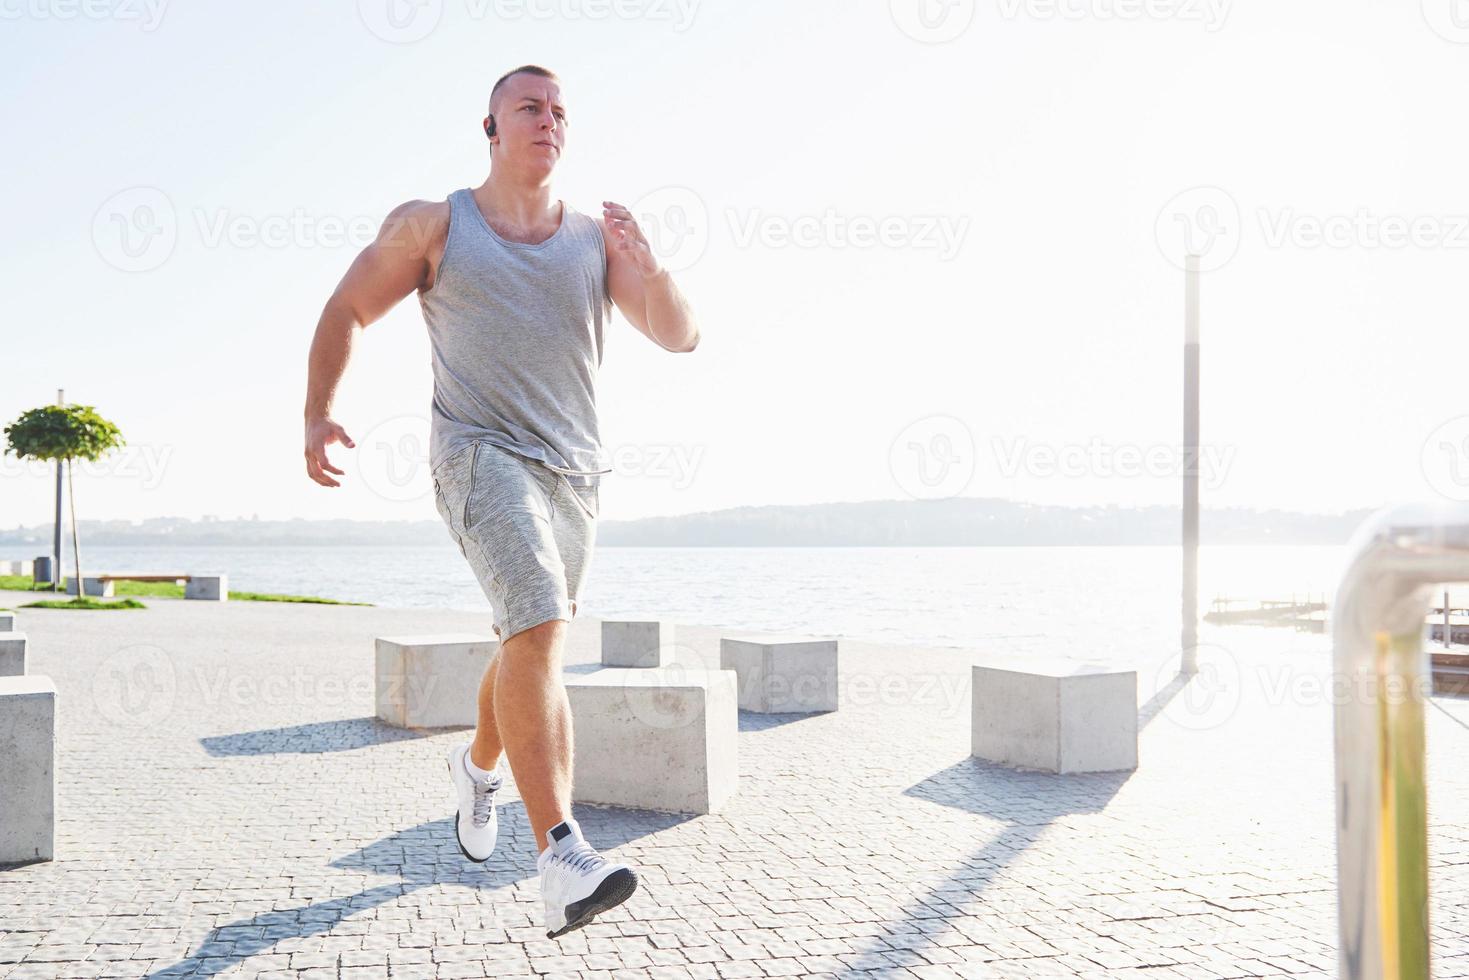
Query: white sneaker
x: 576, y: 882
x: 476, y: 825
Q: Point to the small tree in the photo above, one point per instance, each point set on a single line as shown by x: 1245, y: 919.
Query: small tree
x: 64, y: 432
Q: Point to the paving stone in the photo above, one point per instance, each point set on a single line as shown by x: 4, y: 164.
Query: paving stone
x: 283, y: 831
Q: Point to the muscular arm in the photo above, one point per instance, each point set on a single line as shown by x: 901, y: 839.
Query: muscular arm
x: 399, y: 261
x: 642, y: 289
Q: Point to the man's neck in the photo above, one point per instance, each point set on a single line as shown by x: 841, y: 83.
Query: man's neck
x: 525, y: 204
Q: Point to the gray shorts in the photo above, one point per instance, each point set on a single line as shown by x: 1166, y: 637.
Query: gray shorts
x: 523, y: 527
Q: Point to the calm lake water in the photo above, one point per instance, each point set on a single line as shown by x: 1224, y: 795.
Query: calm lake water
x: 1111, y: 603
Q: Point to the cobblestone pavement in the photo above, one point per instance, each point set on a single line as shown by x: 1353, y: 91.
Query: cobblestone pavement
x: 229, y: 806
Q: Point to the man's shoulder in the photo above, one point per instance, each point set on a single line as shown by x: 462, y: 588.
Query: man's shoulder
x: 434, y: 210
x: 417, y: 222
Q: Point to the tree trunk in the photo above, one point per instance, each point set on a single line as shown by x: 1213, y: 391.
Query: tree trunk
x: 76, y: 547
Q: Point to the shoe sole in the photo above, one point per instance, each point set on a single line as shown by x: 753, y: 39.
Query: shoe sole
x: 457, y: 839
x: 615, y: 889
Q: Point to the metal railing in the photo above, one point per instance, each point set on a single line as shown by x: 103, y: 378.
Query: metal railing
x: 1394, y: 562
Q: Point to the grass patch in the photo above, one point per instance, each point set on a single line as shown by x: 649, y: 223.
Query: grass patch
x: 124, y: 587
x: 166, y: 590
x: 86, y: 603
x: 21, y: 583
x: 272, y: 597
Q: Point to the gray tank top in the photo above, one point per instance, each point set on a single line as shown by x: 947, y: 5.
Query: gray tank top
x: 516, y: 338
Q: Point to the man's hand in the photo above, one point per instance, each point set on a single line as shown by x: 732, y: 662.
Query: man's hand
x: 628, y: 238
x: 320, y: 433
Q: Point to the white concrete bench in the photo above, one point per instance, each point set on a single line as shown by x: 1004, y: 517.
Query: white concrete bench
x: 97, y: 586
x: 654, y: 738
x: 27, y: 769
x: 637, y: 643
x: 16, y: 566
x: 783, y: 673
x: 213, y: 587
x: 1055, y: 715
x: 431, y: 681
x: 12, y: 654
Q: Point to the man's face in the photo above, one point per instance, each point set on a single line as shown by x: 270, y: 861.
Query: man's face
x: 530, y: 122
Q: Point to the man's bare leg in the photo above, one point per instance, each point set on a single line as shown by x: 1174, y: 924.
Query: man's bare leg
x: 530, y: 708
x: 485, y: 749
x: 534, y: 717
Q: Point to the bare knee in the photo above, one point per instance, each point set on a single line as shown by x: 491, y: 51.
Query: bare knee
x: 542, y: 641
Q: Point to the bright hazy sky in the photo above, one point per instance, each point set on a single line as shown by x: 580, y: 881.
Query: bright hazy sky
x: 927, y: 247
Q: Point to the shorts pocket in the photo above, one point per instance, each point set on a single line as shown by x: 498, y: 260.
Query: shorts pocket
x: 470, y: 486
x: 442, y: 466
x: 450, y: 478
x: 446, y: 513
x: 502, y: 485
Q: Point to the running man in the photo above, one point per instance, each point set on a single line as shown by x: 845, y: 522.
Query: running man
x: 515, y: 288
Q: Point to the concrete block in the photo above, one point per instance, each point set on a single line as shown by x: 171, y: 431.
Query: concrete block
x: 95, y: 586
x: 17, y: 566
x: 12, y: 654
x: 27, y: 769
x: 637, y: 643
x: 7, y: 622
x: 655, y: 738
x: 431, y: 681
x: 783, y: 673
x: 1055, y: 715
x: 212, y: 587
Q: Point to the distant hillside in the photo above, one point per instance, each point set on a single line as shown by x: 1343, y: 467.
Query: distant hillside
x: 911, y: 523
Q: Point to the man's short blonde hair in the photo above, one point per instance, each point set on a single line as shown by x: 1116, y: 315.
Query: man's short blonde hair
x: 523, y: 69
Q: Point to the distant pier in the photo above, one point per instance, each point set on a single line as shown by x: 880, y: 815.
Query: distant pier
x: 1450, y: 668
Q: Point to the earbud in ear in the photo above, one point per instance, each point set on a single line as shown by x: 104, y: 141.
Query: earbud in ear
x: 490, y: 127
